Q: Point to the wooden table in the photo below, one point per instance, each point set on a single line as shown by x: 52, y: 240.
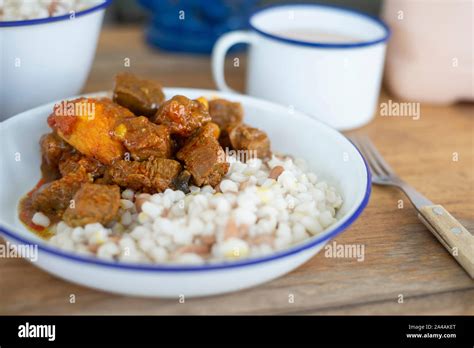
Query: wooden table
x: 402, y: 258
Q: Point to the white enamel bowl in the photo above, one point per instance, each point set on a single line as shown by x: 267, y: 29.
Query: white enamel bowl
x: 328, y: 153
x: 46, y: 59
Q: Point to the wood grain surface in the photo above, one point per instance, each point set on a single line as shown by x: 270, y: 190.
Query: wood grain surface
x: 405, y: 269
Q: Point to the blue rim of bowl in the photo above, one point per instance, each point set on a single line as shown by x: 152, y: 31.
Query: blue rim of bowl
x: 376, y: 20
x: 6, y: 24
x: 211, y: 266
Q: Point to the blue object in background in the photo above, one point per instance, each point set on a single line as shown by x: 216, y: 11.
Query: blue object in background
x: 194, y: 25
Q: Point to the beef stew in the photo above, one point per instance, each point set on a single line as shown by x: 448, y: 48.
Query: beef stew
x: 100, y: 147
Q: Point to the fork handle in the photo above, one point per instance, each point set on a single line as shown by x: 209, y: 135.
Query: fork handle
x: 449, y: 231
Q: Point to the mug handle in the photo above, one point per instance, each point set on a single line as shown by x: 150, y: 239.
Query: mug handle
x: 219, y: 52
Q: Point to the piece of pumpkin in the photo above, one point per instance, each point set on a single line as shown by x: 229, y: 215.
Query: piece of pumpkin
x: 87, y: 125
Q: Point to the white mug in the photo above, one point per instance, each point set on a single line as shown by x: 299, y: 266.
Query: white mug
x: 335, y: 79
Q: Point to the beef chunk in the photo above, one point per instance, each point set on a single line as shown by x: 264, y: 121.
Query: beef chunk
x: 142, y: 97
x: 151, y: 176
x: 182, y: 115
x: 210, y: 129
x: 225, y: 113
x: 93, y: 203
x: 243, y: 137
x: 144, y: 139
x: 204, y: 158
x: 53, y: 198
x: 73, y: 162
x: 52, y: 149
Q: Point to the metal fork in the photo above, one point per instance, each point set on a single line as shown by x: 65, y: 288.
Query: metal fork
x: 450, y: 232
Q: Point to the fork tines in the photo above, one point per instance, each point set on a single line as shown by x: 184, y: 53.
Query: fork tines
x: 377, y: 164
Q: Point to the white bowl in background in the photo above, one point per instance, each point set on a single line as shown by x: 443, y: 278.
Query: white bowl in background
x: 46, y: 59
x: 328, y: 153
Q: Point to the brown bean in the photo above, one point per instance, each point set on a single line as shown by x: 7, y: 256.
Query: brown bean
x: 231, y: 230
x: 142, y: 198
x: 243, y: 231
x: 262, y: 239
x: 244, y: 185
x: 207, y: 240
x: 195, y: 249
x: 234, y: 231
x: 115, y: 238
x: 275, y: 172
x: 93, y: 248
